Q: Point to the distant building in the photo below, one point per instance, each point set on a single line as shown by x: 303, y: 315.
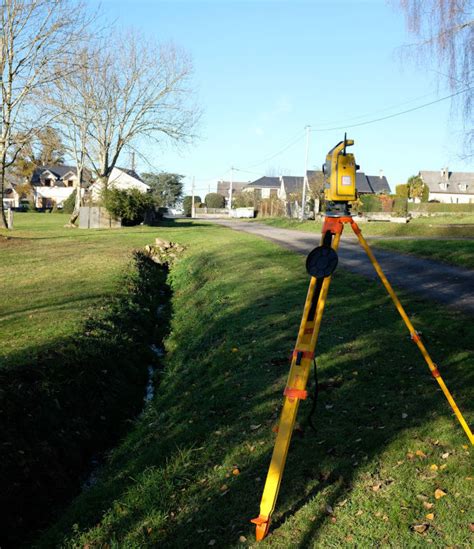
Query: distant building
x: 120, y: 178
x: 290, y: 184
x: 449, y: 187
x: 53, y: 184
x: 224, y: 186
x: 264, y: 187
x: 372, y: 184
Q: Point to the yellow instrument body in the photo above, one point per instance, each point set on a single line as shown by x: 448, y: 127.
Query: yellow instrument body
x: 340, y: 171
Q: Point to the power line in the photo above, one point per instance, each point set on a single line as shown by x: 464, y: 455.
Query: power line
x: 392, y: 115
x: 293, y: 142
x: 385, y: 109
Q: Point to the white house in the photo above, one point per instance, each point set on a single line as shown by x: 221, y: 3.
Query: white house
x: 120, y: 178
x: 53, y: 184
x: 449, y: 187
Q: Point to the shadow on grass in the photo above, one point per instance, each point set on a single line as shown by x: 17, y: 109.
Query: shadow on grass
x: 217, y: 406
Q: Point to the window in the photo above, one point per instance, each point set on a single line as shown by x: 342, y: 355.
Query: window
x: 70, y: 183
x: 463, y: 186
x: 443, y: 186
x: 47, y: 182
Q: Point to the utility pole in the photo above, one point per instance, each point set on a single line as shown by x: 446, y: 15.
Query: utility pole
x: 193, y: 211
x: 230, y: 189
x: 305, y: 177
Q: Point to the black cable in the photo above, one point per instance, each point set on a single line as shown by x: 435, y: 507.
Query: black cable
x: 314, y: 398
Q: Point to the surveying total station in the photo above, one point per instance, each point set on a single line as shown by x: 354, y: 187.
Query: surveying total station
x: 340, y: 189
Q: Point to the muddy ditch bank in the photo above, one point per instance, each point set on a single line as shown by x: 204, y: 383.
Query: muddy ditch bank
x: 58, y: 414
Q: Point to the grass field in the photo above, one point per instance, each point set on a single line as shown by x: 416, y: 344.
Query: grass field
x: 191, y: 470
x: 454, y: 252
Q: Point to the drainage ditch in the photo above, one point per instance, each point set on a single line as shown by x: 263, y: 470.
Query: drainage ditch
x: 60, y: 414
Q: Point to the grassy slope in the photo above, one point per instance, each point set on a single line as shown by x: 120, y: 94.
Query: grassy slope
x: 237, y: 302
x: 448, y: 251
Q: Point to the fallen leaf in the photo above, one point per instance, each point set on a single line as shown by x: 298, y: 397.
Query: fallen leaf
x: 329, y: 510
x: 224, y: 487
x: 465, y: 446
x: 349, y: 538
x: 439, y: 493
x: 255, y: 427
x: 333, y: 520
x: 443, y: 466
x: 471, y: 526
x: 404, y: 416
x: 410, y: 455
x: 376, y: 487
x: 359, y: 513
x: 420, y: 453
x: 242, y: 539
x: 235, y: 350
x: 428, y: 505
x: 445, y: 455
x: 430, y: 516
x: 420, y: 528
x: 212, y: 542
x: 236, y: 471
x: 434, y: 467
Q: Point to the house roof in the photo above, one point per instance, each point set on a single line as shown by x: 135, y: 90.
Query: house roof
x: 362, y: 183
x: 292, y: 183
x: 131, y: 173
x: 59, y: 171
x: 434, y: 179
x: 265, y: 183
x: 378, y: 184
x: 237, y: 186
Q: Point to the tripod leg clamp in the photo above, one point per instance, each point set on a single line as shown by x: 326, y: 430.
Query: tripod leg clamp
x: 295, y: 393
x: 299, y: 355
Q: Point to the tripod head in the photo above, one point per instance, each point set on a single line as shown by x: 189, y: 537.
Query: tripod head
x: 340, y: 179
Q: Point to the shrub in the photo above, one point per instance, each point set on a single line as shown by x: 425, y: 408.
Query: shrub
x: 130, y: 205
x: 370, y: 203
x: 214, y: 200
x: 400, y: 206
x: 187, y: 204
x: 69, y: 203
x: 402, y: 190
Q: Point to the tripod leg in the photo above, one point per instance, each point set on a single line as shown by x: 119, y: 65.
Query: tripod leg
x: 294, y: 392
x: 414, y: 335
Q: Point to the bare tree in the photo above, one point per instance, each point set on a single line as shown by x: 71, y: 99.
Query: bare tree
x: 34, y: 34
x: 70, y: 100
x: 140, y: 90
x: 445, y: 31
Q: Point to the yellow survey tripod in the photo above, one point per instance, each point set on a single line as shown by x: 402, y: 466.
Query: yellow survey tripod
x: 339, y: 169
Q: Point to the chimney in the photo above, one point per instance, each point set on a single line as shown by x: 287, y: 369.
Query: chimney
x: 381, y: 174
x: 444, y: 173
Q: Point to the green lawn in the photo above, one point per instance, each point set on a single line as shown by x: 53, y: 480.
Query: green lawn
x: 51, y: 277
x: 455, y: 252
x: 386, y: 438
x: 439, y: 226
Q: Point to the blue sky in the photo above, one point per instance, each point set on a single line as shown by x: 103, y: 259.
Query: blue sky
x: 264, y: 69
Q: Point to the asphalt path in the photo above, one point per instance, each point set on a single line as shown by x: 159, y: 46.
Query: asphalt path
x: 446, y: 284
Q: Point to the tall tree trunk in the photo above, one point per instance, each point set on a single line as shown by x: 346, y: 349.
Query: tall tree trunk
x: 3, y: 217
x: 78, y: 203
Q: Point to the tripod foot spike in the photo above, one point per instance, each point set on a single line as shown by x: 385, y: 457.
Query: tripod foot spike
x: 262, y: 526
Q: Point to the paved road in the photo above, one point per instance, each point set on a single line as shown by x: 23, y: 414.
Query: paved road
x: 452, y: 286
